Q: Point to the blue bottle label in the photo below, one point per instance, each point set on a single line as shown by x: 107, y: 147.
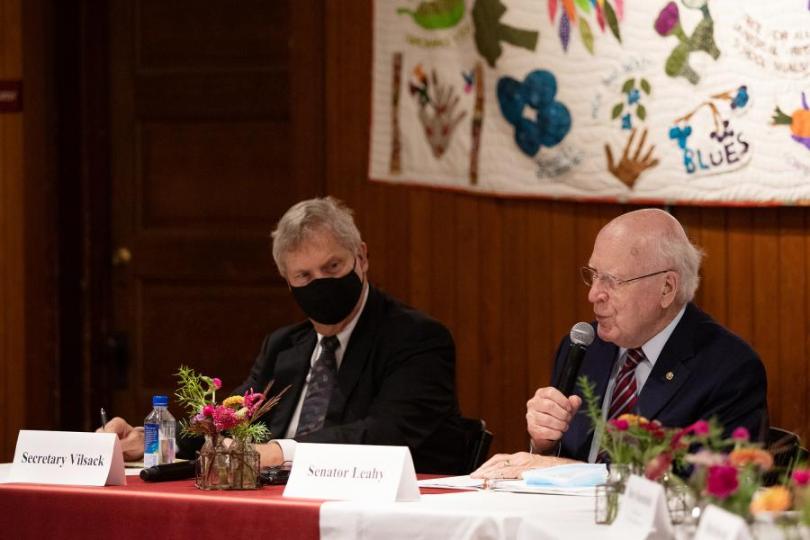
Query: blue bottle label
x: 151, y: 439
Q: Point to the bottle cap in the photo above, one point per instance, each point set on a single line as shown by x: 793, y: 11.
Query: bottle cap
x: 160, y: 401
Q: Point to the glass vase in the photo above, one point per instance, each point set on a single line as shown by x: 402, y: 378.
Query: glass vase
x: 609, y: 494
x: 212, y: 471
x: 682, y: 503
x: 244, y: 465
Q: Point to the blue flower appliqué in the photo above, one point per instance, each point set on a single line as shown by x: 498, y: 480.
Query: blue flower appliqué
x: 551, y: 120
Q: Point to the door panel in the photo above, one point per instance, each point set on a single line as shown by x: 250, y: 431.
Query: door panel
x: 209, y: 145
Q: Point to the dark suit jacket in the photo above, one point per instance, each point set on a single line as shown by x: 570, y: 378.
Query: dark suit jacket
x: 396, y: 384
x: 714, y: 373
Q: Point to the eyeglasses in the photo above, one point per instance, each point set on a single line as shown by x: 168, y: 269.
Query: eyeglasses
x: 590, y: 276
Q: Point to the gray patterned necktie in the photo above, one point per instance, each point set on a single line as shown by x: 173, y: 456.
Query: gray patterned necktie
x: 322, y: 381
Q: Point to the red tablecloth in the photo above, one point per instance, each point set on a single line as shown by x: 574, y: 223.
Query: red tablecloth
x: 148, y: 511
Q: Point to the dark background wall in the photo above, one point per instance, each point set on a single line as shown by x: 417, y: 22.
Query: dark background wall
x: 502, y: 274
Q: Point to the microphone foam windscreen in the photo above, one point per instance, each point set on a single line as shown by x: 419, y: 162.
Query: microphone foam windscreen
x: 582, y: 334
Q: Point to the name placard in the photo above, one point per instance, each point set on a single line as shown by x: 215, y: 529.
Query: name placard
x: 643, y: 511
x: 717, y: 524
x: 351, y: 472
x: 68, y: 458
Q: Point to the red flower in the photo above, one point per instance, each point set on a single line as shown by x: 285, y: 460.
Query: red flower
x: 722, y: 481
x: 657, y: 466
x: 701, y: 427
x: 741, y: 434
x: 224, y: 418
x: 619, y: 424
x: 801, y: 477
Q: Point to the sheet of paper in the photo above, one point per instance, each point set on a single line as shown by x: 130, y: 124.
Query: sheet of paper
x: 513, y: 486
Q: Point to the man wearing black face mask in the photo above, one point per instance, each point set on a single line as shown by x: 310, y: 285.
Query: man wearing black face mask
x: 364, y: 369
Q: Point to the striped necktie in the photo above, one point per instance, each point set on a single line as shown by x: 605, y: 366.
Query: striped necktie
x: 625, y: 395
x: 322, y: 381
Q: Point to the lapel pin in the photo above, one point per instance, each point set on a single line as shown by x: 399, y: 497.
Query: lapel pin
x: 669, y: 376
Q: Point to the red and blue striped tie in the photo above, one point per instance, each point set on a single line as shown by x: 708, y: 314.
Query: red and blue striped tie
x: 625, y: 395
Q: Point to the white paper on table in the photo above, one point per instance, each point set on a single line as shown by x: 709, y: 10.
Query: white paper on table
x: 511, y: 486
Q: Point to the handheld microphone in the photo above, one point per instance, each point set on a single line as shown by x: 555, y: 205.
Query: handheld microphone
x: 581, y: 337
x: 169, y: 471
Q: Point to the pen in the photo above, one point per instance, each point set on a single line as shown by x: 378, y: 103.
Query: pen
x: 103, y: 418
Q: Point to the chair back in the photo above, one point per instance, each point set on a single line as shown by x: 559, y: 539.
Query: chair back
x: 787, y: 450
x: 478, y: 440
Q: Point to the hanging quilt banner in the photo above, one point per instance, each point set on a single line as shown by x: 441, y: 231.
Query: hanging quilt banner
x: 648, y: 101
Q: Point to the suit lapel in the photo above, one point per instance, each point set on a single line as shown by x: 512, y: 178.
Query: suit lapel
x: 671, y: 370
x: 597, y: 365
x: 358, y: 349
x: 292, y: 366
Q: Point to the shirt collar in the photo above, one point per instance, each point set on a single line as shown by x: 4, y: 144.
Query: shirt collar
x: 652, y: 349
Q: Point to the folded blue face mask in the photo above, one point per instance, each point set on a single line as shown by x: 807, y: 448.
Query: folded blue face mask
x: 573, y: 475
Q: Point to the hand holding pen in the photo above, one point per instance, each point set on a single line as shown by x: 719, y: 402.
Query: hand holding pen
x: 131, y: 437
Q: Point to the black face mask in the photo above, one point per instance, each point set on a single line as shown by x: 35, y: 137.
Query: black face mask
x: 329, y: 300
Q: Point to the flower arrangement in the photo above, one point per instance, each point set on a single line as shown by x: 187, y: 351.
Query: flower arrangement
x: 644, y: 445
x: 727, y: 472
x: 218, y: 466
x: 236, y: 415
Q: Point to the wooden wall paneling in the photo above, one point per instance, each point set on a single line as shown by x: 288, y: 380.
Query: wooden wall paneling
x: 307, y: 99
x: 564, y: 279
x: 443, y: 266
x: 738, y: 281
x: 39, y: 171
x: 370, y: 219
x: 418, y: 259
x: 12, y: 247
x: 591, y: 219
x: 395, y: 245
x: 713, y: 241
x: 468, y: 253
x: 348, y: 98
x: 765, y: 281
x: 490, y: 293
x: 792, y: 314
x: 539, y: 258
x: 514, y: 353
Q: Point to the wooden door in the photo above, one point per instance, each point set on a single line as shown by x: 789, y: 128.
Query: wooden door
x: 216, y: 128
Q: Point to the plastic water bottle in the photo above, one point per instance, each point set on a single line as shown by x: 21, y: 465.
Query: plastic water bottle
x: 158, y: 434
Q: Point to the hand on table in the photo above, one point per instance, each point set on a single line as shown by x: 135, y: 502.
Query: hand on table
x: 131, y: 437
x: 270, y: 454
x: 512, y: 466
x: 548, y: 415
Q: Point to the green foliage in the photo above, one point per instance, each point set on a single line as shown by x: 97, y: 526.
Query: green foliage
x: 586, y: 34
x: 641, y: 112
x: 194, y: 390
x: 645, y: 86
x: 612, y: 20
x: 617, y: 110
x: 584, y: 5
x: 628, y: 85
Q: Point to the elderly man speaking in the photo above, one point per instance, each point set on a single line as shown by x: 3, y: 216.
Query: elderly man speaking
x: 656, y: 354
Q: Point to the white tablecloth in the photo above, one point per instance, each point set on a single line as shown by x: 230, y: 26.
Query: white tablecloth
x: 472, y: 515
